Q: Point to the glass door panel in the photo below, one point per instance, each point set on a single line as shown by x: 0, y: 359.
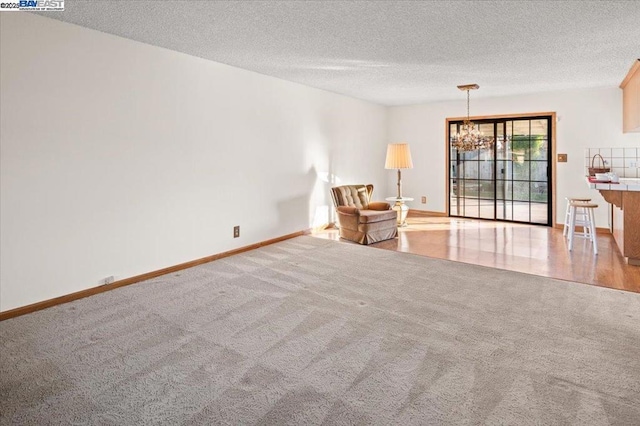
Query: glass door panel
x: 511, y: 180
x: 486, y: 210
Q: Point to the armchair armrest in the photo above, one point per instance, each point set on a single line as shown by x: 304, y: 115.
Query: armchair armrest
x: 350, y: 211
x: 379, y: 205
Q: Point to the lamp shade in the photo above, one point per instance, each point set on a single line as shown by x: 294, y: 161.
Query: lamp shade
x: 398, y: 156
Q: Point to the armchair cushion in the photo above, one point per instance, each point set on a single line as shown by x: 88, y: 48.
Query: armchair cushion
x: 352, y: 196
x: 378, y: 205
x: 351, y: 211
x: 373, y: 216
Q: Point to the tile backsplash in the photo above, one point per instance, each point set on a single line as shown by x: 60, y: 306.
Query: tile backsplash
x: 625, y: 162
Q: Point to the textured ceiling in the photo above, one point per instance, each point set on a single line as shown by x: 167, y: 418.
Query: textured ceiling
x: 391, y: 52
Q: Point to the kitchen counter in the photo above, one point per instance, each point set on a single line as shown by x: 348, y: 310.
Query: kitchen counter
x: 626, y: 184
x: 624, y: 198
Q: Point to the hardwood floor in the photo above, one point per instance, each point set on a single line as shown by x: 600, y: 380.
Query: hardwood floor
x: 535, y: 250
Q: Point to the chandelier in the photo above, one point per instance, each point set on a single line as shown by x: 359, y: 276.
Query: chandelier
x: 470, y: 138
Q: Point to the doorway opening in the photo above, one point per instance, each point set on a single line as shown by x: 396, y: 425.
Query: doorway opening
x: 512, y: 181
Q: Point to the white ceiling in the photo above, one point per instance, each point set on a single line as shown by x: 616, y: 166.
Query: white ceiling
x: 391, y: 52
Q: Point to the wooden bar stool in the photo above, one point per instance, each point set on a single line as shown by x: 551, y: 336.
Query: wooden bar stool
x: 579, y: 220
x: 586, y: 212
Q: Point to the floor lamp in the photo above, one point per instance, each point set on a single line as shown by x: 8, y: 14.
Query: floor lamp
x: 399, y: 157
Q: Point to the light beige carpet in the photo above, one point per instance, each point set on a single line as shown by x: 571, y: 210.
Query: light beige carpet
x: 310, y: 331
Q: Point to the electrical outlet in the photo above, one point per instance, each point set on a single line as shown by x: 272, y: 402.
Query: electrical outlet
x: 236, y: 231
x: 424, y: 200
x: 108, y: 280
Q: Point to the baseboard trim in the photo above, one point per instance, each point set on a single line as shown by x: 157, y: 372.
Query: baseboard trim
x: 598, y: 230
x: 38, y: 306
x: 423, y: 213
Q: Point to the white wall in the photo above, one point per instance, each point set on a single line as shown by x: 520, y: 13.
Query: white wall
x: 120, y: 158
x: 586, y: 118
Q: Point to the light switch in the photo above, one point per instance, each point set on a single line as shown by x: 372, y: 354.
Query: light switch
x: 562, y: 158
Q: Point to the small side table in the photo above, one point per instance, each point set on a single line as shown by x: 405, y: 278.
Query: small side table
x: 401, y: 208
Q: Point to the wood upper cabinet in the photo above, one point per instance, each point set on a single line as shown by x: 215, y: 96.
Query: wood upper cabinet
x: 631, y: 99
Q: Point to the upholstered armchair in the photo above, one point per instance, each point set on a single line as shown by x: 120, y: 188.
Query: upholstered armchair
x: 361, y: 220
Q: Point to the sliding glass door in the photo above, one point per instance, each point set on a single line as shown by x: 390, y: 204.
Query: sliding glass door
x: 509, y: 182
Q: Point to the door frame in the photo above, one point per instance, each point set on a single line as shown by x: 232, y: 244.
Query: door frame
x: 554, y: 122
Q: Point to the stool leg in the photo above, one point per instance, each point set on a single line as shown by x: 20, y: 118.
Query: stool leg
x: 588, y: 217
x: 566, y: 220
x: 592, y: 220
x: 584, y: 219
x: 581, y: 219
x: 572, y: 225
